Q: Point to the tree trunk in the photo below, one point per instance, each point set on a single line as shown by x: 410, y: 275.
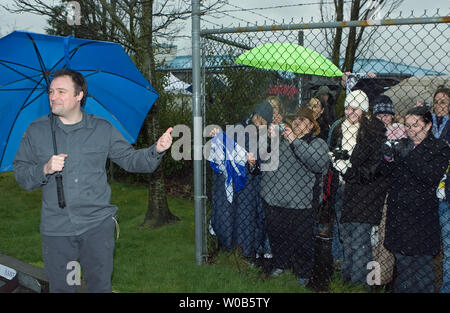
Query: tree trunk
x: 158, y: 212
x: 350, y: 51
x: 351, y: 43
x: 339, y: 6
x: 336, y: 52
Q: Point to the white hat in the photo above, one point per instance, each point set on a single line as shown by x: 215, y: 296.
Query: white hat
x: 357, y: 99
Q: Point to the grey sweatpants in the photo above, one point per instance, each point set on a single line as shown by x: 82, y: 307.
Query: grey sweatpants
x: 94, y: 249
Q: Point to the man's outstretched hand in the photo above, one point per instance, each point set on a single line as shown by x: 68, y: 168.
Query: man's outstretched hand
x: 165, y: 141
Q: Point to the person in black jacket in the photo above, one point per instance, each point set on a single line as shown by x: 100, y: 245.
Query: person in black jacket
x: 412, y: 224
x: 327, y: 100
x: 358, y: 188
x: 441, y: 129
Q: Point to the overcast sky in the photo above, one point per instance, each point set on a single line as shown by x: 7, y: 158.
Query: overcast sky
x: 232, y: 17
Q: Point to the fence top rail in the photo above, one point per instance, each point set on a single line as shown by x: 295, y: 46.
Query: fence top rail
x: 342, y: 24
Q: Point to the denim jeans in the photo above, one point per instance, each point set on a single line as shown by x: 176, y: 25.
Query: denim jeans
x: 336, y: 248
x: 357, y: 251
x: 415, y: 274
x: 444, y: 218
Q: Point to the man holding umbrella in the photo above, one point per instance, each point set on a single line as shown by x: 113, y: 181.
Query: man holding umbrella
x: 77, y: 222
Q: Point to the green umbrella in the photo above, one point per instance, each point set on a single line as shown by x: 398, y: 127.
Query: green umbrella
x: 290, y: 58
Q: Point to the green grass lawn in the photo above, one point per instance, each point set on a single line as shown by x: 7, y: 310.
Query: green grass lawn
x: 146, y: 260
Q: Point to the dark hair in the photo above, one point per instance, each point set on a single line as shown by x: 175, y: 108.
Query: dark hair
x: 423, y: 112
x: 442, y: 89
x: 79, y: 82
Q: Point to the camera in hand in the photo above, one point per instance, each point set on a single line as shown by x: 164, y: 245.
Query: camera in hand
x: 284, y: 125
x: 341, y: 154
x: 397, y: 148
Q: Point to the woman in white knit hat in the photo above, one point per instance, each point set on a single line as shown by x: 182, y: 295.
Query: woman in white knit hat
x: 355, y: 145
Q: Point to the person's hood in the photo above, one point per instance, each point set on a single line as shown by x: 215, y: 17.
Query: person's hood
x: 323, y: 90
x: 265, y: 110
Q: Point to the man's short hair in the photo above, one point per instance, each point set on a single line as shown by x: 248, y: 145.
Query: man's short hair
x: 78, y: 80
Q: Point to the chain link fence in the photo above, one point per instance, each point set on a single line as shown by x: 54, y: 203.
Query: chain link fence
x: 333, y: 178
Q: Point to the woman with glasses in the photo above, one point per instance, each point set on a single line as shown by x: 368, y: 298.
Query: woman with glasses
x: 441, y: 124
x: 441, y: 127
x: 412, y: 224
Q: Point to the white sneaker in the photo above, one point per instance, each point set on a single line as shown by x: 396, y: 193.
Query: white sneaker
x: 276, y: 272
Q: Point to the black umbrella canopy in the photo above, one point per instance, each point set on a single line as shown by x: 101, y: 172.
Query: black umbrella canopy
x: 375, y: 86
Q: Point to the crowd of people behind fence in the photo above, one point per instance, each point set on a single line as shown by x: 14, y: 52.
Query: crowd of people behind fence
x: 363, y: 196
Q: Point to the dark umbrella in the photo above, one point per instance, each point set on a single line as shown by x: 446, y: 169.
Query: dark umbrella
x: 117, y: 91
x: 375, y: 86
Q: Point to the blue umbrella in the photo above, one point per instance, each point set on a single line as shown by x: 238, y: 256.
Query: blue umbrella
x: 117, y: 91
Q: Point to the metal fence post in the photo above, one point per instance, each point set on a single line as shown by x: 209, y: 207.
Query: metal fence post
x: 301, y: 85
x: 197, y: 124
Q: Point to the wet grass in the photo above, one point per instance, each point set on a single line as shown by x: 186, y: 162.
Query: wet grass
x: 146, y: 260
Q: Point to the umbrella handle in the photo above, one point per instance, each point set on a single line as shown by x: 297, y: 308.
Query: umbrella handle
x: 58, y: 176
x: 60, y: 191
